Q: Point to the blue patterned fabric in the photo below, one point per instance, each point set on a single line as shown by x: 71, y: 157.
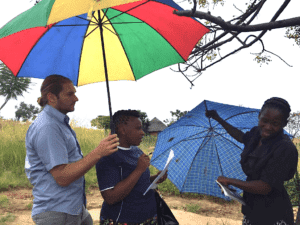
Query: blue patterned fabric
x: 203, y: 150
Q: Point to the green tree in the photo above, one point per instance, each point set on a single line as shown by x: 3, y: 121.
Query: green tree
x: 177, y: 114
x: 26, y: 112
x: 238, y: 27
x: 145, y: 121
x: 101, y: 122
x: 11, y: 86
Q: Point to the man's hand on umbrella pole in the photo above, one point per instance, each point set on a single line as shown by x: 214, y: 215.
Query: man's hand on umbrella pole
x: 108, y: 145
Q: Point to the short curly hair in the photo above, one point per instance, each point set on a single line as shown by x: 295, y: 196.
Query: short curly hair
x: 122, y: 117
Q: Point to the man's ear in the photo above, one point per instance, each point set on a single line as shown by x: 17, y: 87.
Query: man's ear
x: 52, y: 99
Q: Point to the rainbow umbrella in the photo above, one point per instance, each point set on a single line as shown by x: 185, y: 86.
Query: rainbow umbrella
x: 124, y: 42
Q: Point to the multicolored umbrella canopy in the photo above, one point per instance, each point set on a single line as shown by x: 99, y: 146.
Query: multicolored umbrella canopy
x: 125, y: 42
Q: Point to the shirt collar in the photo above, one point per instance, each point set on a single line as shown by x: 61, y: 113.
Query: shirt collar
x: 123, y: 148
x: 51, y: 111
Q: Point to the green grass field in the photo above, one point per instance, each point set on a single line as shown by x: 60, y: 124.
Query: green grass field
x: 13, y: 152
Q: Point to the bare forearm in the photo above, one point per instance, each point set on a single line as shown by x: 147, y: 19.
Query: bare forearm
x: 74, y: 171
x: 234, y: 132
x: 124, y: 187
x: 254, y: 187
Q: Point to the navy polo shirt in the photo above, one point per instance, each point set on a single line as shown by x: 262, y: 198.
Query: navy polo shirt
x: 135, y: 208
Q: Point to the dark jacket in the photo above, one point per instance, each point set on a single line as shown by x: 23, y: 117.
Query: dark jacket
x: 274, y: 162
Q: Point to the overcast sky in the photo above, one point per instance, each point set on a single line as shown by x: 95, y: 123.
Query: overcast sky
x: 237, y: 80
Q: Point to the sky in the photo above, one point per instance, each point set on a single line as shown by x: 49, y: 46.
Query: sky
x: 237, y: 80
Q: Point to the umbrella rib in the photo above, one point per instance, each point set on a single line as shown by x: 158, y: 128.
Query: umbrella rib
x: 126, y: 22
x: 219, y: 159
x: 74, y: 25
x: 104, y: 15
x: 241, y: 114
x: 111, y: 30
x: 228, y: 140
x: 91, y: 32
x: 126, y: 11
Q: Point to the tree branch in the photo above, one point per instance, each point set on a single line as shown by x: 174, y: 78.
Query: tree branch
x: 240, y: 28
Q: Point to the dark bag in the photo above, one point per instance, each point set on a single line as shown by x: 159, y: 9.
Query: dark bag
x: 164, y: 214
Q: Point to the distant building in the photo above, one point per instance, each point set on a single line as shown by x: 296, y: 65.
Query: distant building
x: 156, y: 126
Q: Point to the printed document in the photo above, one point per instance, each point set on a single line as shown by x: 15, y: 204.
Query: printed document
x: 154, y: 183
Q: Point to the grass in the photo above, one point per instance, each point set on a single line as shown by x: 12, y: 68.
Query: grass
x: 13, y: 152
x: 29, y: 206
x: 7, y: 218
x: 194, y: 208
x: 3, y: 201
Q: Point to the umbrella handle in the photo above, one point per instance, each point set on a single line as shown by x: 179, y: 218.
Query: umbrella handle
x: 112, y: 127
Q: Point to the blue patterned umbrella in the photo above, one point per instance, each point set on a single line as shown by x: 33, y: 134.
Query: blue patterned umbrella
x: 203, y: 149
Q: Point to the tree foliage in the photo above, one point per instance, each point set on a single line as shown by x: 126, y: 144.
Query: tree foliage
x: 177, y: 114
x: 26, y: 112
x: 293, y: 126
x: 101, y: 122
x: 11, y: 86
x: 242, y: 30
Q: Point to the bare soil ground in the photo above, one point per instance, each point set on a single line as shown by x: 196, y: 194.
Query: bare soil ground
x: 209, y: 212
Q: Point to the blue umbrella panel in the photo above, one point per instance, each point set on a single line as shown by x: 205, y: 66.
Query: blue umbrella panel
x: 203, y: 149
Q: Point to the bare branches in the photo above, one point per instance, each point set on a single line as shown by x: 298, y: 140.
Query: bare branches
x: 223, y: 33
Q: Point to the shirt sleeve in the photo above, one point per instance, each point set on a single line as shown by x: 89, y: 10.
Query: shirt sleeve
x: 51, y: 147
x: 282, y: 166
x: 108, y: 173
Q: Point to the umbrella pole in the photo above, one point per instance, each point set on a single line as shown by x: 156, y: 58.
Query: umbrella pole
x: 206, y: 110
x: 112, y: 127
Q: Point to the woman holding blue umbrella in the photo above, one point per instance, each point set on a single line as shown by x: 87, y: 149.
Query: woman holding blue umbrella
x: 268, y: 159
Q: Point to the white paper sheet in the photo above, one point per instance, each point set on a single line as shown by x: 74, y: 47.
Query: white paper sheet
x: 154, y: 183
x: 231, y: 194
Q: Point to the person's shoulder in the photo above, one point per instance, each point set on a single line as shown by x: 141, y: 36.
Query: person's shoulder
x: 287, y: 143
x: 108, y: 160
x: 136, y: 148
x: 285, y: 147
x: 44, y: 123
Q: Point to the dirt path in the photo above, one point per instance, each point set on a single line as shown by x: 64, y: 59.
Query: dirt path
x: 208, y: 212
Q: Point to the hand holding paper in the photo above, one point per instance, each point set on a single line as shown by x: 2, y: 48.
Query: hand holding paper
x: 154, y: 183
x: 231, y: 194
